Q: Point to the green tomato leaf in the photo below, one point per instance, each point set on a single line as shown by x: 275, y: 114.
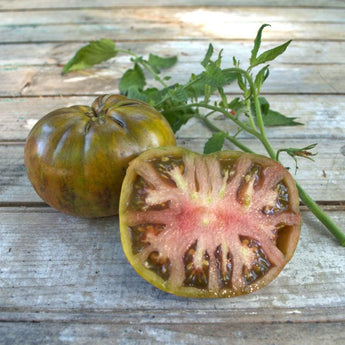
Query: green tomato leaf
x: 158, y: 62
x: 153, y: 96
x: 132, y: 78
x: 208, y: 56
x: 196, y: 86
x: 229, y: 76
x: 235, y: 102
x: 219, y: 60
x: 214, y: 76
x: 274, y: 118
x: 178, y: 94
x: 134, y: 93
x: 224, y: 101
x: 271, y: 54
x: 241, y: 81
x: 177, y: 119
x: 207, y: 93
x: 210, y: 80
x: 93, y: 53
x: 260, y: 78
x: 265, y: 106
x: 257, y: 44
x: 215, y: 143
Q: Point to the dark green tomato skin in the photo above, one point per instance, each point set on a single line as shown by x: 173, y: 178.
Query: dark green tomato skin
x: 76, y: 157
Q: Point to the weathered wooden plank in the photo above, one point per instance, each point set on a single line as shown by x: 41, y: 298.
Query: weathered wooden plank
x: 161, y: 31
x: 166, y: 316
x: 18, y: 115
x: 58, y: 4
x: 313, y: 53
x: 74, y: 269
x: 66, y: 280
x: 44, y: 81
x: 170, y: 334
x: 324, y: 179
x: 174, y: 23
x: 167, y: 16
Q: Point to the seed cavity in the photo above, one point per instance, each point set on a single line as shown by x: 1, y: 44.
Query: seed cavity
x: 140, y: 190
x: 227, y: 167
x: 224, y: 267
x: 283, y: 233
x: 195, y: 275
x: 141, y: 234
x: 160, y: 265
x: 260, y: 263
x: 282, y: 202
x: 164, y: 165
x: 248, y: 185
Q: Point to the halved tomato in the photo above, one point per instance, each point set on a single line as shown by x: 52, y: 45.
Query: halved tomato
x: 217, y: 225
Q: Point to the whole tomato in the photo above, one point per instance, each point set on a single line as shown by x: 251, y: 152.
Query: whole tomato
x: 76, y: 157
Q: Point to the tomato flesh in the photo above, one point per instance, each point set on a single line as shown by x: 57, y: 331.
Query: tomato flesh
x: 216, y: 225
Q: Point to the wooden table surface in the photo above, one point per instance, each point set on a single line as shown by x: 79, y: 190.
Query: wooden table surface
x: 65, y: 280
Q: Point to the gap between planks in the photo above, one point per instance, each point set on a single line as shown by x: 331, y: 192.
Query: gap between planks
x: 40, y: 5
x: 196, y: 316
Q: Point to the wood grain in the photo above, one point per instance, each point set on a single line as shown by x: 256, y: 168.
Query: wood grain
x: 172, y: 23
x: 61, y: 264
x: 55, y: 4
x: 44, y: 81
x: 65, y: 280
x: 57, y: 54
x: 172, y: 15
x: 19, y: 114
x: 169, y: 334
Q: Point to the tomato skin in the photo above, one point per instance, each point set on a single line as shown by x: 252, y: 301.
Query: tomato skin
x: 208, y: 226
x: 76, y: 157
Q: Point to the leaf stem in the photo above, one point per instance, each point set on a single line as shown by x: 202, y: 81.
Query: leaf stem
x: 258, y: 113
x: 321, y: 215
x: 224, y: 112
x: 306, y: 199
x: 231, y: 138
x: 153, y: 73
x: 148, y: 68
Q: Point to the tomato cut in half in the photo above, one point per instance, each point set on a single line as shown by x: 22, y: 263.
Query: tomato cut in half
x: 217, y: 225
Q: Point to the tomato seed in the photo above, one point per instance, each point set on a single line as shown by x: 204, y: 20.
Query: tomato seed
x: 224, y: 268
x: 159, y: 265
x: 164, y: 165
x: 260, y: 264
x: 196, y: 276
x: 140, y: 234
x: 282, y: 202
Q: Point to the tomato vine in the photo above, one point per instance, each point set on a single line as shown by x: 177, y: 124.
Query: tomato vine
x: 251, y: 113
